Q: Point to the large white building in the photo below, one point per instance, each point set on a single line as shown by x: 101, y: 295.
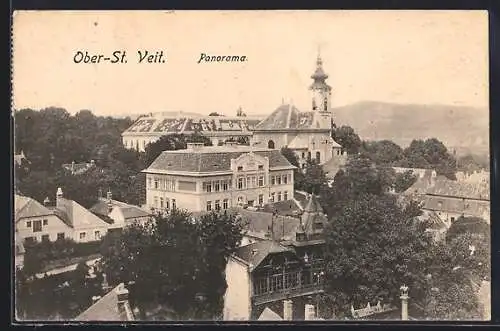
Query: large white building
x: 218, y: 129
x: 308, y: 134
x: 202, y: 178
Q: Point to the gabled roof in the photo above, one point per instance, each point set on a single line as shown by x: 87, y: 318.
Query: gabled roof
x: 106, y: 309
x: 28, y: 207
x: 129, y: 211
x: 269, y: 315
x: 77, y: 216
x: 259, y: 223
x: 170, y: 125
x: 212, y: 159
x: 457, y: 205
x: 287, y: 117
x: 254, y: 254
x: 453, y: 188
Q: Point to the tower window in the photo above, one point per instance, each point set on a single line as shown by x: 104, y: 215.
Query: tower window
x: 325, y: 104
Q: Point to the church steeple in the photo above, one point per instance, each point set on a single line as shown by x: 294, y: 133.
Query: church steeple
x: 321, y: 91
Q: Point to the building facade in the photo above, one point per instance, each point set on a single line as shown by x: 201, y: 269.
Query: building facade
x: 119, y: 214
x: 35, y: 222
x: 451, y: 199
x: 204, y: 178
x: 308, y: 134
x: 218, y: 129
x: 262, y: 274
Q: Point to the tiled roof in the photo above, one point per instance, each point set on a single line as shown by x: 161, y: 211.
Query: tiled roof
x: 76, y: 215
x: 106, y: 309
x: 455, y: 188
x: 171, y: 125
x: 254, y: 254
x: 128, y: 210
x: 269, y: 315
x: 287, y: 117
x: 28, y: 207
x: 259, y: 223
x: 211, y: 159
x: 456, y: 205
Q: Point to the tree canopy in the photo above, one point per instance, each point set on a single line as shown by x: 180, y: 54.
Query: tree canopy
x: 174, y: 261
x: 347, y: 138
x: 375, y: 243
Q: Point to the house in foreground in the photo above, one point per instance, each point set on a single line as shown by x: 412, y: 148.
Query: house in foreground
x: 266, y: 272
x: 112, y: 307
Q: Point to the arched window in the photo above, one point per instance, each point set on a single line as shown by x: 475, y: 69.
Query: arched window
x: 318, y: 157
x: 270, y: 144
x: 325, y: 103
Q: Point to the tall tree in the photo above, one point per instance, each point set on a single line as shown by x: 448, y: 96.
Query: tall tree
x: 383, y: 152
x: 347, y: 138
x: 174, y: 261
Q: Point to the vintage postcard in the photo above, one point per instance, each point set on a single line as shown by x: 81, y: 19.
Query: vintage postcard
x: 251, y: 166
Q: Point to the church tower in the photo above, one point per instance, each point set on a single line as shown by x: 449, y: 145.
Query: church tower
x: 321, y: 97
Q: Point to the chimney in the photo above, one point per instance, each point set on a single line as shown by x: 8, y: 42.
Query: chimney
x: 72, y: 167
x: 95, y: 298
x: 287, y: 310
x: 109, y: 200
x: 309, y: 313
x: 404, y: 302
x: 122, y: 297
x: 105, y: 284
x: 59, y: 196
x: 46, y: 202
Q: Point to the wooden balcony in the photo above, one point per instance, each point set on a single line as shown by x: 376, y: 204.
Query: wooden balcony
x: 283, y: 294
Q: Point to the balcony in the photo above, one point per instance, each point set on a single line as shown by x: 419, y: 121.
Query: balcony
x: 281, y: 284
x: 283, y: 294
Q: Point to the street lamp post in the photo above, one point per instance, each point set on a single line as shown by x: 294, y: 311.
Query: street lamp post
x: 404, y: 302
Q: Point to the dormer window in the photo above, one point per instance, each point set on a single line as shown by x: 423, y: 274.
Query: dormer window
x: 261, y: 167
x: 240, y: 168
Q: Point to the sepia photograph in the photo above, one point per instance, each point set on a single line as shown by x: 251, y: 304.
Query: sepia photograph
x: 300, y: 165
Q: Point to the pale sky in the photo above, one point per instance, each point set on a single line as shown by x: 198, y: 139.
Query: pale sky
x: 395, y: 56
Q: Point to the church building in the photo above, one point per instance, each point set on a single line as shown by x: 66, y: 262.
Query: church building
x: 308, y: 134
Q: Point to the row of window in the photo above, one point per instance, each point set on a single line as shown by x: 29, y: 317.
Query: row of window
x: 164, y: 203
x: 278, y: 196
x: 280, y: 179
x: 61, y: 236
x: 260, y: 167
x: 250, y: 182
x: 37, y: 225
x: 136, y: 145
x: 217, y: 205
x: 165, y: 184
x: 217, y: 185
x: 287, y: 280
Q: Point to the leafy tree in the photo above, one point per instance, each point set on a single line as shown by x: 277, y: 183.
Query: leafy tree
x: 430, y: 153
x: 314, y: 178
x: 347, y: 138
x: 175, y: 260
x: 404, y: 181
x: 373, y: 246
x: 383, y: 152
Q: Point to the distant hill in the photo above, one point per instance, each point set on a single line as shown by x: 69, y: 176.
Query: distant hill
x: 464, y: 128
